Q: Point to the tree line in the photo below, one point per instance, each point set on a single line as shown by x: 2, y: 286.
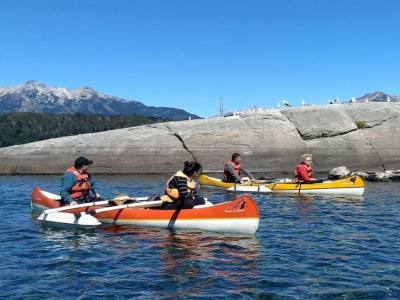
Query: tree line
x: 25, y: 127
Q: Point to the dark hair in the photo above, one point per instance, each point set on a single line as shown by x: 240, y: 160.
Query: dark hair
x: 82, y: 161
x: 235, y: 155
x: 190, y: 167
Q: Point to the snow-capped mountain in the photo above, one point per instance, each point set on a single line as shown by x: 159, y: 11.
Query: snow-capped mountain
x: 378, y: 97
x: 33, y: 96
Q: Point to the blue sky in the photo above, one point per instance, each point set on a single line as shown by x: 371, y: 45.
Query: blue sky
x: 188, y: 53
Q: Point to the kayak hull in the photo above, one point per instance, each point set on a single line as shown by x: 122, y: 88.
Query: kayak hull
x: 214, y: 182
x: 348, y: 186
x: 240, y: 215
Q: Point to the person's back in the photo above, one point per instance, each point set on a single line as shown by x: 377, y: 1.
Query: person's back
x: 180, y: 190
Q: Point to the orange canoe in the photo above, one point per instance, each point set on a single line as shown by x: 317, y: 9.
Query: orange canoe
x: 237, y: 216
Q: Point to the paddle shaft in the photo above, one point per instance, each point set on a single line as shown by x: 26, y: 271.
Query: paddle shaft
x: 97, y: 203
x: 132, y: 205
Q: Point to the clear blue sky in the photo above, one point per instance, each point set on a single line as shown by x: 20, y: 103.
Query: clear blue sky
x: 188, y: 53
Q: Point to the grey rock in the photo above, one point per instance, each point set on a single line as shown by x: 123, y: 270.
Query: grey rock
x: 369, y: 115
x: 319, y: 121
x: 338, y: 172
x: 269, y: 141
x: 383, y: 176
x: 363, y: 175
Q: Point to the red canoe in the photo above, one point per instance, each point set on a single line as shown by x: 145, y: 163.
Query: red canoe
x: 237, y: 216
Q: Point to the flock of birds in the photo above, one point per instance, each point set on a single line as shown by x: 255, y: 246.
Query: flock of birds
x: 285, y: 103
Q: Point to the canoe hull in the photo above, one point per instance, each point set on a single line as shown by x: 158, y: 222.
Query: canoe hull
x: 240, y: 215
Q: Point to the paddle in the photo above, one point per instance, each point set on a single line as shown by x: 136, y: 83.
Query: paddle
x: 266, y: 181
x: 262, y: 188
x: 97, y: 203
x: 87, y: 218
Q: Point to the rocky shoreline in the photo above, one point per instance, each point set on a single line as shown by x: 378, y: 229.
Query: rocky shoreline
x: 361, y: 136
x: 385, y: 176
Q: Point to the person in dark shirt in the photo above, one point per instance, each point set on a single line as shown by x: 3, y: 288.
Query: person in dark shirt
x: 233, y: 171
x: 180, y: 190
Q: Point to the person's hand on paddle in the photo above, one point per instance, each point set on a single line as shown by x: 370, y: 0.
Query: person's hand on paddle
x: 73, y: 203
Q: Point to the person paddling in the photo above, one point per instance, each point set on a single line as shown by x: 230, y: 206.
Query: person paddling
x: 180, y: 190
x: 77, y: 184
x: 304, y: 171
x: 233, y: 171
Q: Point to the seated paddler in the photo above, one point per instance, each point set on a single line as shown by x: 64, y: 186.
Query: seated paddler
x: 304, y: 170
x: 180, y: 190
x: 77, y: 186
x: 234, y: 172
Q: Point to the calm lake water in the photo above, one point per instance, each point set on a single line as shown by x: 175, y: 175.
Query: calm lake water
x: 305, y: 248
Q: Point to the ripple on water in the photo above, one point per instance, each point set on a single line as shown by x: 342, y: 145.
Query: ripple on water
x: 306, y: 247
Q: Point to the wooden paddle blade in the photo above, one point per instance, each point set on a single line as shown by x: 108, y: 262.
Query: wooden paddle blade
x: 68, y: 218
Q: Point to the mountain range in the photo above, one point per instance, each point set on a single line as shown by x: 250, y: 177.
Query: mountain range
x: 378, y: 97
x: 33, y: 96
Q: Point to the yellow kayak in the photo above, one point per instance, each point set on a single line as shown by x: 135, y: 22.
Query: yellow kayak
x: 353, y: 185
x: 211, y: 181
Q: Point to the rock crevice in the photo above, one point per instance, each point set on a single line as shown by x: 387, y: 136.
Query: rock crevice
x: 272, y: 141
x: 180, y: 139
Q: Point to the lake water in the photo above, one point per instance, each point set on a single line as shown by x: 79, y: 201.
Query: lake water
x: 305, y: 248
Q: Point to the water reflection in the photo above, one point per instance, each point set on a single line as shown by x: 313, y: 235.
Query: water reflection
x: 70, y: 237
x: 187, y: 255
x: 306, y: 247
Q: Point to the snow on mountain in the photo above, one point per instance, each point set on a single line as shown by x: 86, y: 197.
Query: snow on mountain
x: 33, y: 96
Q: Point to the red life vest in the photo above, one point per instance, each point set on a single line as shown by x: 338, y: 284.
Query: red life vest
x: 81, y: 187
x: 237, y: 168
x: 299, y: 168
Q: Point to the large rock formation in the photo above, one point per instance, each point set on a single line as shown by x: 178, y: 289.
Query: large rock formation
x: 361, y: 136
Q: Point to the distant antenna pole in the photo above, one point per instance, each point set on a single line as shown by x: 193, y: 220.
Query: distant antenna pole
x: 221, y: 106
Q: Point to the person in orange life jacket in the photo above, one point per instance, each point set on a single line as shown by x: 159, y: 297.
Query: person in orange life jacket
x: 304, y: 171
x: 76, y: 183
x: 180, y: 190
x: 233, y: 171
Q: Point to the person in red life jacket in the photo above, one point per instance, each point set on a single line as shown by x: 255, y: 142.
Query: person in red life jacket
x: 234, y: 172
x: 304, y: 171
x: 77, y: 186
x: 180, y: 190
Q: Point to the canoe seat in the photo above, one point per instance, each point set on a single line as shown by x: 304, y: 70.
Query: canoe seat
x: 207, y: 204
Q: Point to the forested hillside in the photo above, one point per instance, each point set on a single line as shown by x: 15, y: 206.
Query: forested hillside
x: 21, y: 128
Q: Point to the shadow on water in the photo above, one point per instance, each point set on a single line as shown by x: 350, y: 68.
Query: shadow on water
x: 329, y: 247
x: 190, y: 262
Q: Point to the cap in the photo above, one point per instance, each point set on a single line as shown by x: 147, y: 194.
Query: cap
x: 82, y: 161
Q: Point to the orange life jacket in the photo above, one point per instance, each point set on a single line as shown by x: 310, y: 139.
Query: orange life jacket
x: 297, y: 172
x: 81, y: 187
x: 237, y: 167
x: 173, y: 193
